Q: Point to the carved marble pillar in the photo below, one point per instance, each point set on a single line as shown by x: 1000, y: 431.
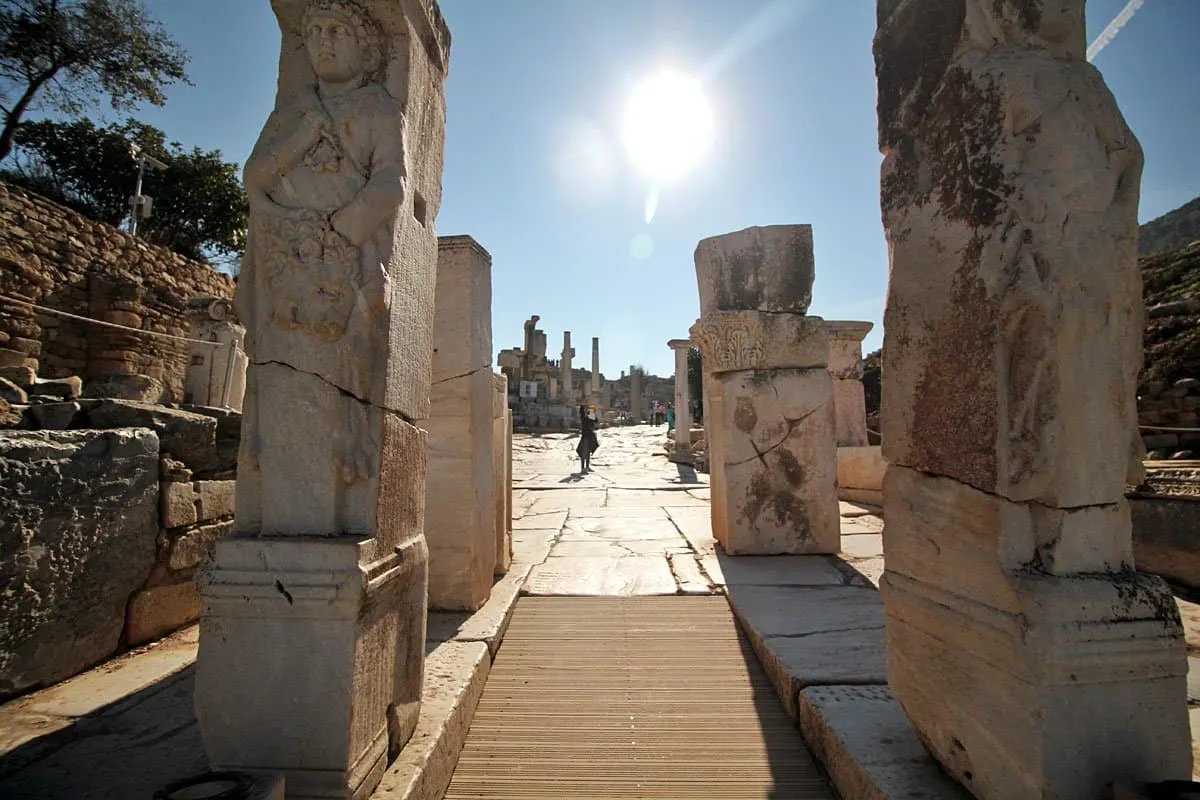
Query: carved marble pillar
x: 502, y: 465
x: 769, y: 398
x: 1030, y: 657
x: 460, y: 489
x: 683, y: 400
x: 313, y: 636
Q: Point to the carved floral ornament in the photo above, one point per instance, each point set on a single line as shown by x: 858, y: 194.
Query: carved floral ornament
x: 750, y: 340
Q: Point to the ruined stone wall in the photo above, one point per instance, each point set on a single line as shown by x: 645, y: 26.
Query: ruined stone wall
x: 1174, y: 406
x: 117, y: 513
x: 54, y: 257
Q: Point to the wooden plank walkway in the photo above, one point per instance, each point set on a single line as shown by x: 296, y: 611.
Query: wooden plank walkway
x: 630, y: 697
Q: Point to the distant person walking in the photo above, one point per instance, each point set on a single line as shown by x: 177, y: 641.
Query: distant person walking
x: 670, y: 418
x: 587, y: 438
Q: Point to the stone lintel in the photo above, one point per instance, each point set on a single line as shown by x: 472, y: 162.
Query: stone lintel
x: 845, y: 329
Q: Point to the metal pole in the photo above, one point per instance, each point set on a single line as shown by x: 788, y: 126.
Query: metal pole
x: 137, y: 194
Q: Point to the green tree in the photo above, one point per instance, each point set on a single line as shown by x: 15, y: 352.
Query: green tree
x: 199, y: 208
x: 66, y: 54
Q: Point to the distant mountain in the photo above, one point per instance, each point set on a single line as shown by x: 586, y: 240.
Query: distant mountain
x: 1171, y: 288
x: 1172, y: 231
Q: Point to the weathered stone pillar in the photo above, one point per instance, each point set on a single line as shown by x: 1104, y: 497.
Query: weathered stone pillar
x: 566, y: 380
x: 502, y: 550
x: 211, y: 380
x: 635, y: 395
x: 846, y: 369
x: 460, y: 490
x: 1031, y: 658
x: 595, y: 366
x: 313, y: 639
x: 769, y: 410
x: 683, y: 401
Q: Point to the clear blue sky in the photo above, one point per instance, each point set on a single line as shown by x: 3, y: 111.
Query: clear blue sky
x: 535, y: 170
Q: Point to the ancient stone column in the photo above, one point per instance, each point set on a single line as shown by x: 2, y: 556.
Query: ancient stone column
x: 460, y: 488
x: 769, y: 414
x: 846, y: 369
x: 502, y: 547
x: 635, y: 395
x: 312, y: 643
x: 683, y: 401
x: 566, y: 380
x: 1031, y: 658
x: 595, y: 366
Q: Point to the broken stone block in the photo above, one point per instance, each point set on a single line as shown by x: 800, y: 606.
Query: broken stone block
x: 54, y: 416
x: 216, y: 499
x: 12, y: 393
x: 184, y: 436
x: 189, y: 550
x: 86, y: 506
x: 177, y: 502
x: 158, y: 611
x: 766, y: 268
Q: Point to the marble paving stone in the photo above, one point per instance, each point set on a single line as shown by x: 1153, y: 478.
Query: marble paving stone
x: 772, y: 570
x: 588, y: 528
x: 857, y: 509
x: 855, y: 525
x: 868, y: 747
x: 532, y: 546
x: 622, y: 577
x: 632, y: 512
x: 866, y: 545
x: 688, y: 575
x: 549, y: 520
x: 696, y: 527
x: 455, y: 674
x: 566, y: 499
x: 813, y: 636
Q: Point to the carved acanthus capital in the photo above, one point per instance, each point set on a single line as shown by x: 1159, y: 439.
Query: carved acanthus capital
x: 733, y: 341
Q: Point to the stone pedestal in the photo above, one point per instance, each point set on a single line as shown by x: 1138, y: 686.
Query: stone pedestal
x: 461, y: 485
x: 312, y: 643
x: 683, y: 400
x: 1030, y: 657
x: 846, y: 369
x: 502, y: 470
x: 308, y: 650
x: 768, y: 395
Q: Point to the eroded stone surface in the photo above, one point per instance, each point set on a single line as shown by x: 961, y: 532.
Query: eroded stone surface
x: 599, y: 575
x: 779, y: 464
x: 868, y: 747
x: 1013, y: 343
x: 768, y: 268
x: 80, y: 509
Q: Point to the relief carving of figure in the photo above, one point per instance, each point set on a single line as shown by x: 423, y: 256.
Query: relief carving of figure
x: 325, y: 182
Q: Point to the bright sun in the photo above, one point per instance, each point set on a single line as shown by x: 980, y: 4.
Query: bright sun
x: 668, y: 126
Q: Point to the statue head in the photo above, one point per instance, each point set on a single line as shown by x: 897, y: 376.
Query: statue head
x: 344, y: 43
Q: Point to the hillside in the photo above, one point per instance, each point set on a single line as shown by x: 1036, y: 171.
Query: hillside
x: 1171, y: 287
x: 1172, y: 231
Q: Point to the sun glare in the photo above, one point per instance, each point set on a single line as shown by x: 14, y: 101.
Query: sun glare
x: 668, y: 126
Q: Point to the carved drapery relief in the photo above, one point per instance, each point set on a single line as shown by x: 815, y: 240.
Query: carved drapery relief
x: 751, y: 340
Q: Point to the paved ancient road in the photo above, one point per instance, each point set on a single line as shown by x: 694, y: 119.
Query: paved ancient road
x: 636, y: 525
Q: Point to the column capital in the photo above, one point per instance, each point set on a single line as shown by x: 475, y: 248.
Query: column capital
x: 732, y: 341
x: 680, y: 344
x: 847, y: 329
